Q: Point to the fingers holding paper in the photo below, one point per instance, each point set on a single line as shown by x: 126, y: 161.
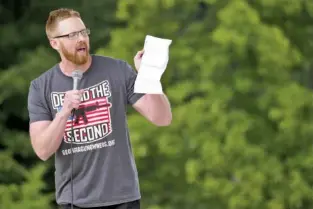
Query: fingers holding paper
x: 152, y: 62
x: 138, y: 58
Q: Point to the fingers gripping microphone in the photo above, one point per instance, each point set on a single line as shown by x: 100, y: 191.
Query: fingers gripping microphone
x: 77, y: 76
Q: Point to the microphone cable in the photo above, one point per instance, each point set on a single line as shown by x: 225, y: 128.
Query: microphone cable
x: 72, y: 158
x: 76, y: 75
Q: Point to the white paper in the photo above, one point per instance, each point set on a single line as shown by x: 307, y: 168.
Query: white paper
x: 153, y: 64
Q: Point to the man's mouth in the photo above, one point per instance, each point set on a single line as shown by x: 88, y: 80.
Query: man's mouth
x: 81, y: 49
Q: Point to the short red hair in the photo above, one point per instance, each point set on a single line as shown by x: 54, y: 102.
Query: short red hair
x: 55, y: 17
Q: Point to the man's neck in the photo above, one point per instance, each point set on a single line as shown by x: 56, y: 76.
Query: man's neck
x: 68, y: 67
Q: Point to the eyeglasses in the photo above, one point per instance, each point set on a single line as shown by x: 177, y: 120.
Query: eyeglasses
x: 75, y: 35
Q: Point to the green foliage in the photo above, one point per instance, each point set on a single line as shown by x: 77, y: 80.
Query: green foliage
x: 239, y: 81
x: 27, y: 195
x: 241, y: 132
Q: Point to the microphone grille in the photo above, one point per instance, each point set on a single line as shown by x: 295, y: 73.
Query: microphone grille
x: 77, y: 74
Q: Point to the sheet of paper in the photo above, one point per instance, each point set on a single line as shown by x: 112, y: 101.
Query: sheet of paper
x: 153, y: 64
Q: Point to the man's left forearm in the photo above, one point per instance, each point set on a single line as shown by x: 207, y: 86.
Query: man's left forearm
x: 160, y: 109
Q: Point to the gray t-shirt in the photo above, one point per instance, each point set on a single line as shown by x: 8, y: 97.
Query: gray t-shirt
x: 104, y: 167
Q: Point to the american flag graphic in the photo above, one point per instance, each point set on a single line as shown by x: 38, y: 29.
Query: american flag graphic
x: 89, y: 113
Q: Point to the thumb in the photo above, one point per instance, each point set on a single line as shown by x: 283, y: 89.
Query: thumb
x: 139, y: 54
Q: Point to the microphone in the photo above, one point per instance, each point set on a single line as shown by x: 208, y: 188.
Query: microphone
x: 77, y: 76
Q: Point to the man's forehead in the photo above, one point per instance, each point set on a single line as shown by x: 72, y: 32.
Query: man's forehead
x: 70, y: 25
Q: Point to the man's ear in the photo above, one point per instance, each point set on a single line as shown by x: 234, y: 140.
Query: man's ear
x: 54, y: 44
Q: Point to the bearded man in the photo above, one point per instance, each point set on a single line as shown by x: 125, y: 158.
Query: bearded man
x: 94, y: 162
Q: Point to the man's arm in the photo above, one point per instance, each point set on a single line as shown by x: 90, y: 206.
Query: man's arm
x: 156, y: 108
x: 46, y: 136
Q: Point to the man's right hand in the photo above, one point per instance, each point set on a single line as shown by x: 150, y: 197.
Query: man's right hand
x: 72, y: 99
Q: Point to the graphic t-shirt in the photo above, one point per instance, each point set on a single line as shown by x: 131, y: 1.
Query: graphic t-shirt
x: 104, y: 170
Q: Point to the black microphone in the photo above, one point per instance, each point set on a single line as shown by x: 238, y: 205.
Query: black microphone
x: 77, y: 76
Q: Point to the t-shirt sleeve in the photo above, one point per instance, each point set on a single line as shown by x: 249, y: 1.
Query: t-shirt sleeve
x: 131, y: 76
x: 37, y: 108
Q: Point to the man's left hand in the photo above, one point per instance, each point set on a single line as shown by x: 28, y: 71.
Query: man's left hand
x: 137, y: 59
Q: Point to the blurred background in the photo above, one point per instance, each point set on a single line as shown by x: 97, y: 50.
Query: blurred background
x: 239, y: 80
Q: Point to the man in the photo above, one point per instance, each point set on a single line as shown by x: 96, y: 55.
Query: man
x: 103, y: 172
